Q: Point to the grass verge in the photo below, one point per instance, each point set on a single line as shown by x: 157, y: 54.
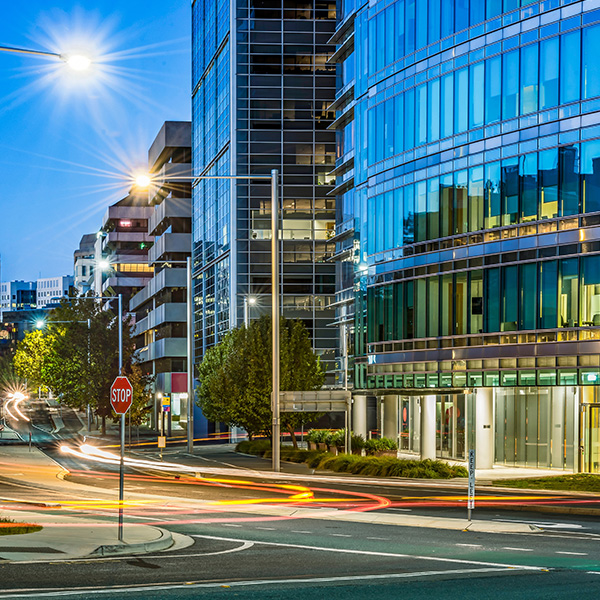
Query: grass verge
x: 578, y: 482
x: 374, y: 466
x: 10, y: 527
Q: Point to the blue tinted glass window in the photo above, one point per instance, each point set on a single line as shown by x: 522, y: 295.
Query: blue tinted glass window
x: 421, y: 33
x: 389, y: 34
x: 493, y: 89
x: 421, y: 114
x: 590, y: 169
x: 409, y: 214
x: 434, y: 21
x: 462, y: 14
x: 421, y: 211
x: 409, y: 120
x: 371, y: 135
x: 548, y: 294
x: 491, y: 312
x: 410, y: 26
x: 569, y: 180
x: 591, y: 62
x: 461, y: 202
x: 447, y: 20
x: 477, y: 11
x: 528, y: 174
x: 493, y: 8
x: 510, y: 77
x: 476, y: 94
x: 399, y: 29
x: 398, y: 218
x: 549, y: 64
x: 434, y: 110
x: 528, y: 304
x: 389, y: 218
x: 372, y: 45
x: 389, y: 128
x: 447, y: 108
x: 399, y: 123
x: 492, y: 205
x: 381, y: 40
x: 529, y: 79
x: 433, y: 208
x: 380, y: 128
x: 461, y: 113
x: 510, y: 191
x: 570, y: 62
x: 548, y: 178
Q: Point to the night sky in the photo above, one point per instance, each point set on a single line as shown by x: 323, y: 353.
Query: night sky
x: 69, y: 140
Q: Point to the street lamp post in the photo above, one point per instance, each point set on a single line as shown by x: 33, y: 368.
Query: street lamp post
x: 248, y: 302
x: 77, y: 62
x: 145, y: 181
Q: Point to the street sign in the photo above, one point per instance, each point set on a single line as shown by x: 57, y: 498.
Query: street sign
x: 121, y: 395
x: 471, y: 493
x: 166, y: 403
x: 162, y: 441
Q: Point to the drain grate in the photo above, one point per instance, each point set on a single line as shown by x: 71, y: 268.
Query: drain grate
x: 30, y: 549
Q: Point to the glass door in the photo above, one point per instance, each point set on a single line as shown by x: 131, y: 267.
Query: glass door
x: 591, y: 436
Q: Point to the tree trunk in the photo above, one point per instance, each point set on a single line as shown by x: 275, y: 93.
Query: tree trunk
x: 103, y: 431
x: 293, y: 436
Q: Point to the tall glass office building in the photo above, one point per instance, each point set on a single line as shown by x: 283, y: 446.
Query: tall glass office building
x: 261, y: 92
x: 468, y: 181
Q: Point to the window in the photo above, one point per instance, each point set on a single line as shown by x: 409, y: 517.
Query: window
x: 590, y: 169
x: 476, y: 94
x: 549, y: 65
x: 461, y: 113
x: 591, y: 63
x: 590, y: 291
x: 493, y: 89
x: 570, y: 63
x: 529, y: 79
x: 510, y: 78
x: 548, y: 294
x: 568, y: 288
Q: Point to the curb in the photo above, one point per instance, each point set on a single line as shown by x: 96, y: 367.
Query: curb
x: 164, y: 542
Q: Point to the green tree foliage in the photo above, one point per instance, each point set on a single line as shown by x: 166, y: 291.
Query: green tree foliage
x: 76, y: 355
x: 236, y: 375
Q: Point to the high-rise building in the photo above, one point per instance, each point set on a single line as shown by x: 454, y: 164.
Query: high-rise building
x: 468, y: 188
x: 261, y: 91
x: 161, y: 306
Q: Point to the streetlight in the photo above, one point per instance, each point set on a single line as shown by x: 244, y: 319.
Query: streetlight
x: 248, y: 302
x: 77, y: 62
x: 145, y: 181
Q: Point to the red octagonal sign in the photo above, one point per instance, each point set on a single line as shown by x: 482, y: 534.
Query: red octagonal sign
x: 121, y: 395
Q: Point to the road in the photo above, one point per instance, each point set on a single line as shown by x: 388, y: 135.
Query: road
x: 251, y: 554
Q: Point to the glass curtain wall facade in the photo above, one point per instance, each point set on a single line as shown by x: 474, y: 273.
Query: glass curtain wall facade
x: 262, y: 87
x: 476, y: 225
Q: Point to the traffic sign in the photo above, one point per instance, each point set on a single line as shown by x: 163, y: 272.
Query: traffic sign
x: 166, y: 403
x: 121, y: 395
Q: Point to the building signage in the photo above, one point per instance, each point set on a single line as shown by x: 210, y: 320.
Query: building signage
x: 471, y: 494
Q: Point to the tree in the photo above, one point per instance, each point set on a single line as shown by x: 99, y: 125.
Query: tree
x: 236, y: 375
x: 76, y: 356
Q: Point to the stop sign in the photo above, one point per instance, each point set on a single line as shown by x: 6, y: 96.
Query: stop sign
x: 121, y: 395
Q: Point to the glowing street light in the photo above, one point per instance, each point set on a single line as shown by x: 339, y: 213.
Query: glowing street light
x: 77, y: 62
x: 143, y: 181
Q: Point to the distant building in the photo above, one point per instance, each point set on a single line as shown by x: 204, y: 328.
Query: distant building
x: 160, y: 307
x: 83, y: 263
x: 17, y: 295
x: 52, y: 289
x: 14, y: 324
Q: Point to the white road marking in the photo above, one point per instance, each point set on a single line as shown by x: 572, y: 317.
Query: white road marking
x: 230, y: 525
x: 295, y: 531
x: 517, y: 549
x: 340, y: 534
x: 572, y: 553
x: 461, y: 561
x: 267, y: 528
x: 402, y: 509
x: 89, y: 591
x: 543, y: 524
x: 470, y: 545
x: 378, y: 538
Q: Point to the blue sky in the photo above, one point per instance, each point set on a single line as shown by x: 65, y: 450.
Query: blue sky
x: 67, y: 141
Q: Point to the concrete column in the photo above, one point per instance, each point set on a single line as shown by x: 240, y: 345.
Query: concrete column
x: 484, y: 428
x: 359, y: 415
x: 428, y: 427
x: 390, y: 417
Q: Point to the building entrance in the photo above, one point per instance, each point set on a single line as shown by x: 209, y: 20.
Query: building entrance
x: 450, y: 420
x: 591, y: 438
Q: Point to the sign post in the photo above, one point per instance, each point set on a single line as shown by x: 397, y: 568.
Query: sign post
x: 121, y: 397
x: 471, y: 493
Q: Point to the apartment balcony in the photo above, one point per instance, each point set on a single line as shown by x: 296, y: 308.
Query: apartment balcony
x: 167, y: 278
x: 169, y: 208
x: 165, y: 348
x: 170, y: 312
x: 170, y: 243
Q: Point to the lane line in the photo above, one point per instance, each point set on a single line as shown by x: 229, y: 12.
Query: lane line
x: 340, y: 535
x: 572, y: 553
x: 230, y: 525
x: 517, y: 549
x: 88, y: 591
x: 378, y: 538
x: 267, y: 528
x: 295, y: 531
x: 470, y: 545
x: 374, y: 553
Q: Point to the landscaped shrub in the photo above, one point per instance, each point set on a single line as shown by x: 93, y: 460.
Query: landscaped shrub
x: 357, y: 442
x: 375, y: 466
x: 317, y: 436
x: 380, y: 445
